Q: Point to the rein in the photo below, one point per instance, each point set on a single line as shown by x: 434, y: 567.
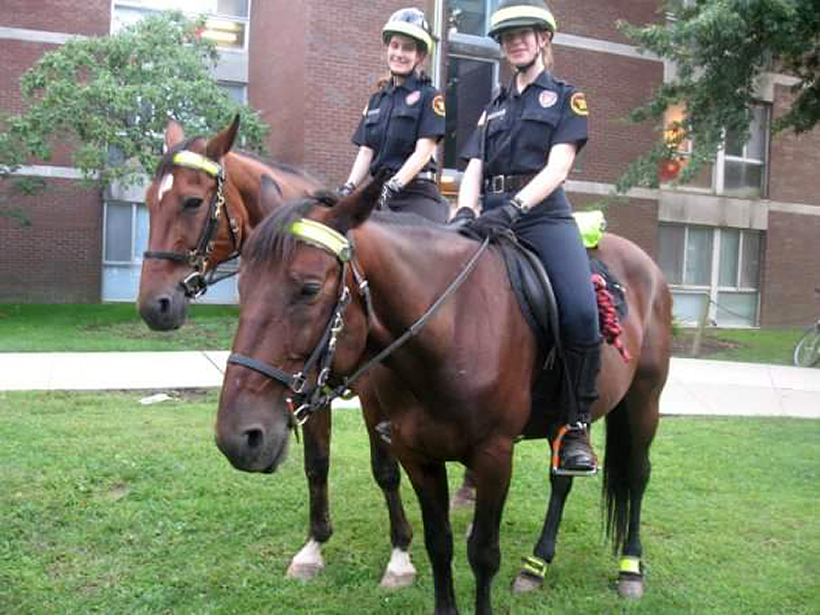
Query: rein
x: 305, y: 401
x: 195, y: 284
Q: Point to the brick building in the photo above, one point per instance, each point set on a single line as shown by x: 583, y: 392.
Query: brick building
x: 741, y: 241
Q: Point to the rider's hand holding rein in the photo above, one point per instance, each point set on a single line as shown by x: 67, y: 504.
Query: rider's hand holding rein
x: 402, y: 123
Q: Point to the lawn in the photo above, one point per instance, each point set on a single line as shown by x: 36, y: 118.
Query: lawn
x: 113, y: 507
x: 114, y: 326
x: 117, y: 326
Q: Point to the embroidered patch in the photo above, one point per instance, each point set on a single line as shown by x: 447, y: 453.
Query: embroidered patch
x: 578, y: 102
x: 438, y: 104
x: 483, y: 118
x: 412, y: 98
x: 547, y: 98
x: 166, y: 184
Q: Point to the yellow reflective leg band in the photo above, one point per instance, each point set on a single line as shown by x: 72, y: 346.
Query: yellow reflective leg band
x: 535, y: 566
x: 630, y: 565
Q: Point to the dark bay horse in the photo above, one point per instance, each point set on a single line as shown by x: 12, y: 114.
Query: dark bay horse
x: 181, y: 201
x: 463, y: 372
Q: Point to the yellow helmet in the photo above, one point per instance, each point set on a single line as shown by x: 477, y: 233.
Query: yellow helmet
x: 412, y: 23
x: 513, y: 14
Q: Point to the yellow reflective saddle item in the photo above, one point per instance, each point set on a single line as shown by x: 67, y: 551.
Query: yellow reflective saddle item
x: 592, y: 225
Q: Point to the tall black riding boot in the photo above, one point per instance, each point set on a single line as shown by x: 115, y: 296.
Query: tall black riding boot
x: 583, y: 364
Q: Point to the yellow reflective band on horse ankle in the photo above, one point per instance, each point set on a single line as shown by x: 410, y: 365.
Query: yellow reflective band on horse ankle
x: 323, y: 237
x: 592, y: 225
x: 192, y: 160
x: 516, y: 12
x: 630, y: 564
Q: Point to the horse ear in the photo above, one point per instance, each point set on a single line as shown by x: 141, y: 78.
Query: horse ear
x: 270, y: 193
x: 222, y: 143
x: 355, y: 208
x: 173, y: 134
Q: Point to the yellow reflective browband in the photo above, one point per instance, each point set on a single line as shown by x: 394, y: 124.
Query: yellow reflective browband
x: 322, y: 236
x: 192, y: 160
x: 515, y: 12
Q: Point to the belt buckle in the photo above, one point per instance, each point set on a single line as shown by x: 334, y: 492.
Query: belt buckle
x: 497, y: 183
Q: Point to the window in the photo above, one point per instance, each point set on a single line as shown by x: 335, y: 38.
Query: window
x: 226, y: 20
x: 712, y: 271
x: 472, y: 74
x: 739, y: 169
x: 125, y: 238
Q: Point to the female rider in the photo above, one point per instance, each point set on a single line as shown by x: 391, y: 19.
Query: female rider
x: 519, y: 156
x: 402, y: 123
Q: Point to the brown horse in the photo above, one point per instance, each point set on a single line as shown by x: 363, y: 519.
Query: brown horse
x: 182, y: 200
x: 441, y: 316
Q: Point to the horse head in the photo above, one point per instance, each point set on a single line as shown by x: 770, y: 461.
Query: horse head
x: 300, y: 316
x: 187, y: 203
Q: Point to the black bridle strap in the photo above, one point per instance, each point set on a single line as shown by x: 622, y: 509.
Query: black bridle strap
x: 292, y: 381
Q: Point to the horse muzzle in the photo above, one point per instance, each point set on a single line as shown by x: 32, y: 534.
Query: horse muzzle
x: 164, y: 311
x: 251, y: 444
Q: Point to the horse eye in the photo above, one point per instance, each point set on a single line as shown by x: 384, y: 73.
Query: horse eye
x: 309, y: 290
x: 192, y: 202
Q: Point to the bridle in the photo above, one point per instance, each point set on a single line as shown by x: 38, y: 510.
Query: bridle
x: 306, y: 398
x: 196, y: 283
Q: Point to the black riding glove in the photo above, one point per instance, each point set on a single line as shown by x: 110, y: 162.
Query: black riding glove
x: 389, y: 190
x: 347, y: 189
x: 498, y: 220
x: 462, y: 217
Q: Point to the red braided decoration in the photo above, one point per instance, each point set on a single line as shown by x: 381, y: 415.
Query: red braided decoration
x: 608, y: 315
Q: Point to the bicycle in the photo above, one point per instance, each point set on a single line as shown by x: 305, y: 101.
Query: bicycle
x: 807, y: 349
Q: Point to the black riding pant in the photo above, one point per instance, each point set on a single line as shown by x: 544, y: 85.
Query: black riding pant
x: 421, y: 197
x: 553, y: 234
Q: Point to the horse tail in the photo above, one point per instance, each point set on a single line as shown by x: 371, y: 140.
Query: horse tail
x: 616, y: 484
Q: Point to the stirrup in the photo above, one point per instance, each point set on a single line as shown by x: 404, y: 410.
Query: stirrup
x: 556, y: 468
x: 385, y: 432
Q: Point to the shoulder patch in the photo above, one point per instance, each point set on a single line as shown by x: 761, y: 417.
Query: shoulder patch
x: 438, y: 104
x: 578, y: 103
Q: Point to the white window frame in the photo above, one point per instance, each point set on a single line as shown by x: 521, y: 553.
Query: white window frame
x: 135, y: 259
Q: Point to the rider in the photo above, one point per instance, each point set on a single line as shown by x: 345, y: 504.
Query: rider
x: 519, y: 156
x: 402, y: 123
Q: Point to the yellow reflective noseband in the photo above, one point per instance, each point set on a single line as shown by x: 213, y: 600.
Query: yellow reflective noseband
x: 192, y: 160
x: 321, y: 236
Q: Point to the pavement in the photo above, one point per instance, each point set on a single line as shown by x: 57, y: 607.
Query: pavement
x: 695, y: 386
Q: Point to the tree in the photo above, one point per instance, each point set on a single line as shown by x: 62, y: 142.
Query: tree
x: 720, y: 48
x: 110, y: 98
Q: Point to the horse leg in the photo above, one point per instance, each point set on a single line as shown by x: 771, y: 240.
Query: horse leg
x: 429, y: 481
x: 491, y: 469
x: 535, y: 567
x: 308, y: 562
x: 400, y: 571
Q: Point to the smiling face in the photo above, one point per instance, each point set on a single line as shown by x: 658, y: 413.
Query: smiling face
x: 403, y: 55
x: 521, y: 46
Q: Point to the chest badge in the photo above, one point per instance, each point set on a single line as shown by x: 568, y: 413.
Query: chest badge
x: 438, y: 105
x: 578, y: 103
x: 547, y: 99
x: 412, y: 98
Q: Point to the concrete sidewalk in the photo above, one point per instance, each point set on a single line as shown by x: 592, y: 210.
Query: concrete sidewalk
x: 695, y: 387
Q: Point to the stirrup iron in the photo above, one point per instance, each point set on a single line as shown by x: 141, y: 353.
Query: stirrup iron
x: 556, y: 468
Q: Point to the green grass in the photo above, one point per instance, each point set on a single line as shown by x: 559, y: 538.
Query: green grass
x: 775, y: 346
x: 116, y: 326
x: 112, y: 507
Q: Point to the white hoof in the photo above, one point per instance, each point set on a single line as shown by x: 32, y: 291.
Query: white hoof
x: 524, y: 583
x: 306, y: 564
x: 400, y: 571
x: 630, y: 588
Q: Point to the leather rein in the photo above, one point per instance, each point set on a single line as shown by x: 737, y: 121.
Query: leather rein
x: 196, y: 283
x: 305, y: 398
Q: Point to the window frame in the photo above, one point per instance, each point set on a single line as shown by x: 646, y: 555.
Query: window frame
x: 135, y: 259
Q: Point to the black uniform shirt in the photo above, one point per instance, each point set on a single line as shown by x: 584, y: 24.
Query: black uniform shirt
x: 521, y: 128
x: 395, y: 118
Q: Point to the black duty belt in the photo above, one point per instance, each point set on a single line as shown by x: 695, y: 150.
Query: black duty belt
x: 506, y: 183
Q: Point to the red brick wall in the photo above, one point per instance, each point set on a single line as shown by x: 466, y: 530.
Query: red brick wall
x: 791, y: 271
x: 57, y: 259
x: 596, y: 19
x: 90, y: 17
x: 794, y: 160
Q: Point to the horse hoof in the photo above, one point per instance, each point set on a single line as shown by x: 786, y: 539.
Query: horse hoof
x: 524, y: 583
x: 304, y: 572
x: 630, y: 588
x: 393, y: 580
x: 464, y: 498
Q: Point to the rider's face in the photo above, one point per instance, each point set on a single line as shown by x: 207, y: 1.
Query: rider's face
x: 403, y: 55
x: 521, y: 45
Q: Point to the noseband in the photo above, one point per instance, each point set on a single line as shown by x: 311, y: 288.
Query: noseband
x: 305, y: 400
x: 195, y: 284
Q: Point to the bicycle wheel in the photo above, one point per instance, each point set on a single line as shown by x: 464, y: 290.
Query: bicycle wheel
x: 807, y: 351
